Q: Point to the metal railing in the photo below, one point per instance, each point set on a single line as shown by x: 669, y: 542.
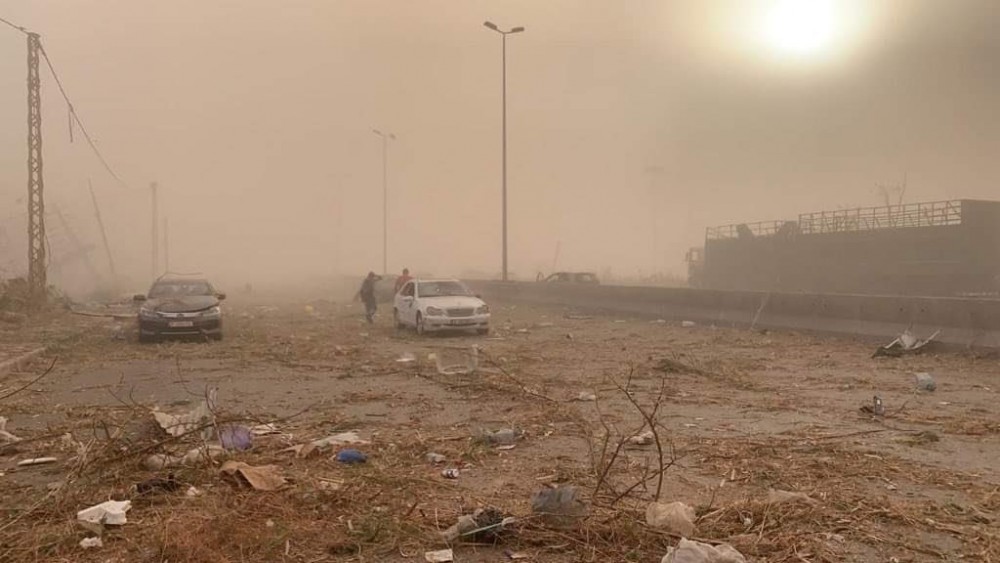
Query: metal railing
x: 930, y: 214
x: 758, y: 229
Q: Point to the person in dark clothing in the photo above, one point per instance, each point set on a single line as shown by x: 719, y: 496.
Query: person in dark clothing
x: 367, y: 295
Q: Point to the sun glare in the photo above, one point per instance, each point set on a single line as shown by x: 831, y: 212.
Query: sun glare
x: 801, y: 28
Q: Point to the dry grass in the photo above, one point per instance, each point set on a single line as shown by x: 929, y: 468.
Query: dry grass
x: 393, y: 507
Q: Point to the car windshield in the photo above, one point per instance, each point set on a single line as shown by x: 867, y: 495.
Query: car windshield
x: 180, y: 289
x: 442, y: 289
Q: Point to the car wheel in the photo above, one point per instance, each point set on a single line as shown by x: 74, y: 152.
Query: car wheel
x: 482, y: 331
x: 395, y: 318
x: 147, y: 338
x: 217, y: 337
x: 421, y: 329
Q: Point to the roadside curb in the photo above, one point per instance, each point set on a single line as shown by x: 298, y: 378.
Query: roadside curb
x: 14, y: 363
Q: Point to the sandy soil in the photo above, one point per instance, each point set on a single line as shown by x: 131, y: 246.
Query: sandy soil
x: 738, y: 413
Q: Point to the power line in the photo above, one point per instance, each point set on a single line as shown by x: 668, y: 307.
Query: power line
x: 17, y: 27
x: 72, y: 111
x: 76, y: 118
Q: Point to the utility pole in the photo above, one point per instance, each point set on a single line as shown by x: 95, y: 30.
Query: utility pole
x: 80, y: 250
x: 104, y: 234
x: 155, y: 234
x: 36, y: 185
x: 166, y: 244
x: 385, y: 198
x: 654, y: 175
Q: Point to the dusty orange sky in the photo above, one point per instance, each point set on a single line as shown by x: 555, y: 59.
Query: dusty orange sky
x: 626, y: 120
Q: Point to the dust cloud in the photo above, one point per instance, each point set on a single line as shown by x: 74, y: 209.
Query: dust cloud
x: 632, y: 127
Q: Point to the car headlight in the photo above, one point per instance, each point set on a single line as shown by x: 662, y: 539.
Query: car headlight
x: 435, y: 312
x: 213, y: 312
x: 483, y: 309
x: 147, y: 313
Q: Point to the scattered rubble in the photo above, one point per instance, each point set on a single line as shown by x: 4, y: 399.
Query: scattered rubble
x: 264, y: 430
x: 504, y: 436
x: 87, y: 543
x: 675, y: 517
x: 688, y: 551
x: 441, y: 556
x: 876, y: 408
x: 559, y: 507
x: 642, y: 439
x: 262, y: 478
x: 450, y: 361
x: 341, y: 439
x: 400, y: 496
x: 484, y: 524
x: 180, y: 425
x: 905, y: 343
x: 5, y: 436
x: 111, y: 513
x: 925, y: 382
x: 157, y: 485
x: 36, y: 461
x: 435, y: 458
x: 201, y: 454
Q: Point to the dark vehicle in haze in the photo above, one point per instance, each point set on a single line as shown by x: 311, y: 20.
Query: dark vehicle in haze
x: 181, y: 308
x: 570, y: 277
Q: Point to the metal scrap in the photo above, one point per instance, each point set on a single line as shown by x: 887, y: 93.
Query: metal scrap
x: 905, y: 343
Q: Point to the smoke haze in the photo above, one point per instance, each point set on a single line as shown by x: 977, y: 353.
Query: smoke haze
x: 632, y: 126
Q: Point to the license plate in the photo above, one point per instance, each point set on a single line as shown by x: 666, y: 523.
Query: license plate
x: 181, y: 324
x: 461, y: 323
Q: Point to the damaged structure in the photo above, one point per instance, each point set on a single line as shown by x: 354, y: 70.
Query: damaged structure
x: 943, y: 248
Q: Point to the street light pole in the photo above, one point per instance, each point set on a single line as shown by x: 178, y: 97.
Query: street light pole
x: 385, y: 198
x: 503, y: 62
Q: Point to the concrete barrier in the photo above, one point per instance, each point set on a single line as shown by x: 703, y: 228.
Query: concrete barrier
x: 970, y: 322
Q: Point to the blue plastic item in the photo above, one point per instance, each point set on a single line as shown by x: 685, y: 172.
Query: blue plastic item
x: 351, y: 456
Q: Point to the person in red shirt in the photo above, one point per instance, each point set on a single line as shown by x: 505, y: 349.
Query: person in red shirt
x: 401, y: 280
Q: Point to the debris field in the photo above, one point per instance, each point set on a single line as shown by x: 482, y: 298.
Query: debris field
x: 308, y: 435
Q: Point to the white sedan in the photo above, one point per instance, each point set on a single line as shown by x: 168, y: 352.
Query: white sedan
x: 433, y: 305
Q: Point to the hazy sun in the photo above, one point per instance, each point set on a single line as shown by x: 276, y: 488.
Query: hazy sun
x: 801, y: 28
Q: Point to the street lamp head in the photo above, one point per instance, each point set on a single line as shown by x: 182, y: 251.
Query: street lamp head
x: 491, y: 25
x: 518, y: 29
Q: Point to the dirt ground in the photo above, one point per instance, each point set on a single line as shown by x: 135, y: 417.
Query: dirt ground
x: 738, y: 415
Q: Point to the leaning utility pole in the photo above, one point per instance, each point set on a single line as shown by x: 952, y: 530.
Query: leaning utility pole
x: 80, y: 250
x: 104, y: 234
x: 36, y: 203
x: 156, y: 235
x: 166, y: 244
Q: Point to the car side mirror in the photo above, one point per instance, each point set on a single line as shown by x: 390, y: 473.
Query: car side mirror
x: 221, y: 296
x: 478, y: 296
x: 138, y: 298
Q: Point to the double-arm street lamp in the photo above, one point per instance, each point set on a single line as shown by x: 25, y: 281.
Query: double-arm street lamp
x: 503, y: 35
